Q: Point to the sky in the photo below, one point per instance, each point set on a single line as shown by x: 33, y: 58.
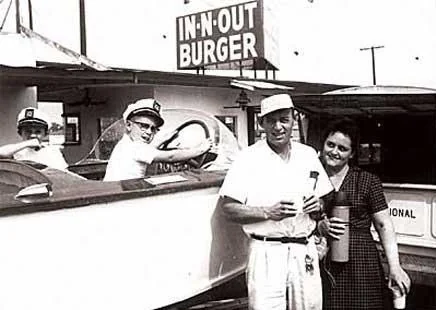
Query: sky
x: 330, y: 34
x: 319, y: 40
x: 53, y: 110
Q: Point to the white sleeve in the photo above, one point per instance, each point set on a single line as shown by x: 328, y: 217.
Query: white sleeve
x: 143, y: 152
x: 235, y: 182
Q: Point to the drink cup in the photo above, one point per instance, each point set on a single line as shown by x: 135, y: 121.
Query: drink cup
x: 339, y: 248
x: 298, y: 203
x: 399, y: 301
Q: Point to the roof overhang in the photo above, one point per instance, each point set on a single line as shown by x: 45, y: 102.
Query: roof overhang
x: 380, y: 101
x: 51, y: 78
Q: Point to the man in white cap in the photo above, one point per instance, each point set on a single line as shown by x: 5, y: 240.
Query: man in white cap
x: 272, y: 189
x: 32, y: 125
x: 134, y: 152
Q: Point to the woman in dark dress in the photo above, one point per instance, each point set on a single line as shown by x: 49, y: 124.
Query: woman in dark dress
x: 358, y: 283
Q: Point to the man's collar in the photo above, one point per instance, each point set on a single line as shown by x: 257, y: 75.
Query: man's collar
x: 285, y: 154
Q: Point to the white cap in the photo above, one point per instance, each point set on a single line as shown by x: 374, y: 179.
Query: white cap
x: 274, y: 103
x: 144, y: 107
x: 32, y: 115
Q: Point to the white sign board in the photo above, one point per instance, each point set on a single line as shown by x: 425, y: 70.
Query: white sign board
x: 409, y: 216
x: 238, y: 33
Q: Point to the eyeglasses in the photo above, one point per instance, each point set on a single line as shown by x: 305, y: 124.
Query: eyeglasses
x: 32, y: 130
x: 144, y: 127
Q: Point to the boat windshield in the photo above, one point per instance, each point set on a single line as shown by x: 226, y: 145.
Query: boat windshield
x: 192, y: 127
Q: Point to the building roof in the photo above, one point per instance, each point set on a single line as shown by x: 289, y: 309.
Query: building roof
x: 370, y: 101
x: 312, y: 98
x: 49, y: 77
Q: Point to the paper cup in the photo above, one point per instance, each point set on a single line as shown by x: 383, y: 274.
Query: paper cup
x: 298, y: 203
x: 399, y: 301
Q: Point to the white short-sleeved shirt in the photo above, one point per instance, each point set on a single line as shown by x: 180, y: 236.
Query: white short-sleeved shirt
x: 49, y: 155
x: 260, y: 178
x: 129, y: 160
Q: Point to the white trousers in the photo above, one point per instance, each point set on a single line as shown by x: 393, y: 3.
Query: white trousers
x: 277, y: 278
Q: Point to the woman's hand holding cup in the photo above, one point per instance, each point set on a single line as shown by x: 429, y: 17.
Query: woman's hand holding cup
x: 336, y: 227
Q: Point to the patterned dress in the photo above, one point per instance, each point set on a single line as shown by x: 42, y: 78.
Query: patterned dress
x: 359, y: 283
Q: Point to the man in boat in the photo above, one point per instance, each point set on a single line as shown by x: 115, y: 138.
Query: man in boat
x: 272, y: 189
x: 135, y: 151
x: 32, y: 126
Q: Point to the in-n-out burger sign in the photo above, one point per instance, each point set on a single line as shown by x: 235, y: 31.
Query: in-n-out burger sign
x: 220, y: 36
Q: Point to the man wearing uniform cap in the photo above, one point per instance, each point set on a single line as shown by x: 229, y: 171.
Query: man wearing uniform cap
x: 132, y: 154
x: 32, y: 125
x: 272, y: 189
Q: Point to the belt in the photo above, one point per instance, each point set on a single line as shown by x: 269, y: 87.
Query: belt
x: 301, y: 240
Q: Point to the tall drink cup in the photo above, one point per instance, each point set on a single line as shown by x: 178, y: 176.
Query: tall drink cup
x: 399, y: 300
x: 339, y: 248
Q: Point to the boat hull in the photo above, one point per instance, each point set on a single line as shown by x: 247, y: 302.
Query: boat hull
x: 142, y: 253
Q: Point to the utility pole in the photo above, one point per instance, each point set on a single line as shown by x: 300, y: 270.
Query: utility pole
x: 82, y: 19
x: 373, y: 60
x: 29, y: 4
x: 17, y: 16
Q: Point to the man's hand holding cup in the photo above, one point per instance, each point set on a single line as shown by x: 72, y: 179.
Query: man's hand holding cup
x: 311, y: 204
x: 282, y: 209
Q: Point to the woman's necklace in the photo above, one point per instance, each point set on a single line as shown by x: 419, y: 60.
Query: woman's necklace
x: 339, y: 177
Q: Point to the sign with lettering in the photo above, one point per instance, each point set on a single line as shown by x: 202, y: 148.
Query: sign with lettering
x: 230, y: 34
x: 408, y: 216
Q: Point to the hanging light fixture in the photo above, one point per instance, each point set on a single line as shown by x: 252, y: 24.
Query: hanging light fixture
x: 243, y: 100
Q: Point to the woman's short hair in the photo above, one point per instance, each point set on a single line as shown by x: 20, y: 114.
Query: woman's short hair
x: 346, y: 126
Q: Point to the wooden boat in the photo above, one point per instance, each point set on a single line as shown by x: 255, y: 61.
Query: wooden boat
x: 68, y: 242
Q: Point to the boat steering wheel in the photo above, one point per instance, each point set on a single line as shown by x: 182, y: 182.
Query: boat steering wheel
x: 198, y: 161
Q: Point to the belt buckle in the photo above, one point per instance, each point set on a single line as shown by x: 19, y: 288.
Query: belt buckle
x: 301, y: 240
x: 286, y: 239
